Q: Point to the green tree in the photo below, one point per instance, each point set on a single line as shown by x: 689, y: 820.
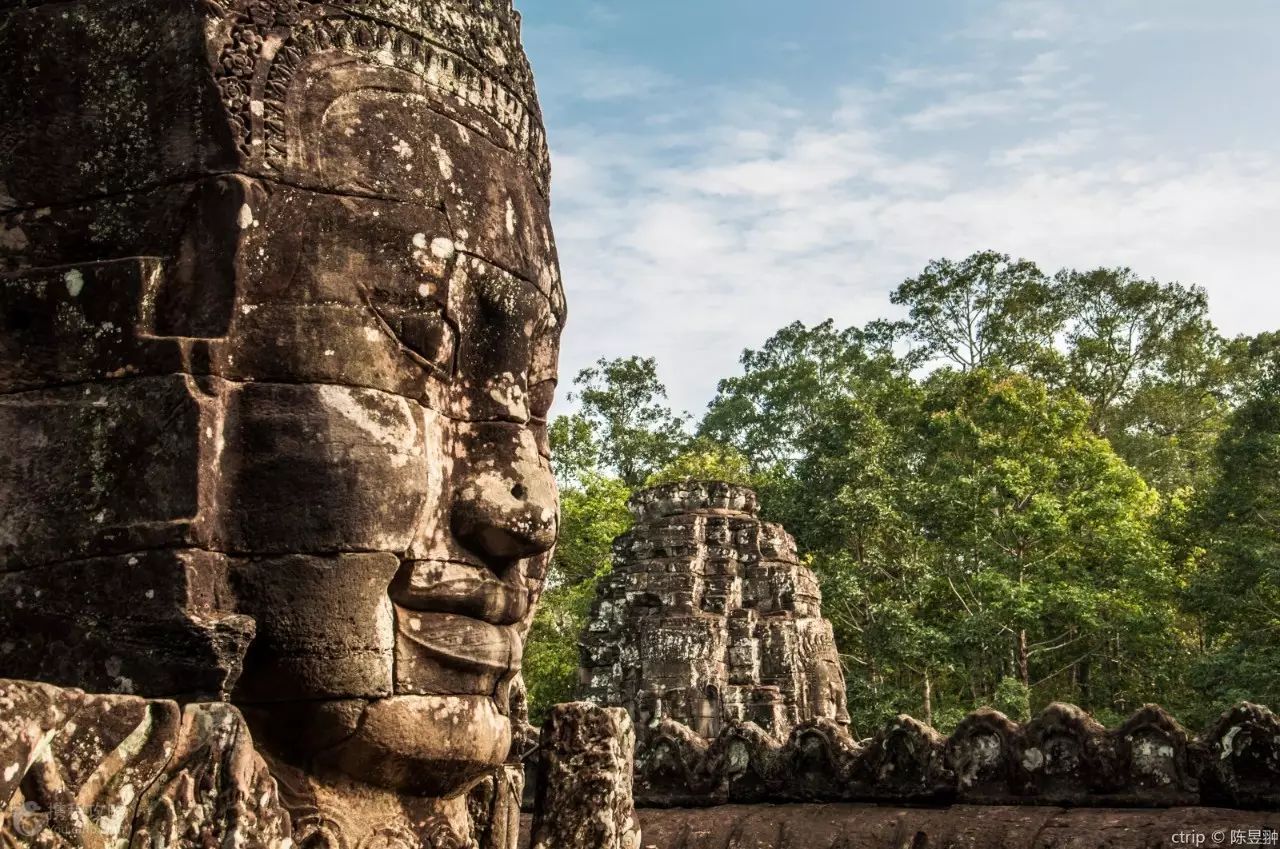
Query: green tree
x: 1238, y: 590
x: 575, y: 450
x: 826, y: 418
x: 705, y: 459
x: 551, y: 647
x: 1078, y: 502
x: 765, y: 412
x: 1152, y: 368
x: 593, y: 512
x: 624, y: 404
x: 1045, y: 542
x: 986, y: 310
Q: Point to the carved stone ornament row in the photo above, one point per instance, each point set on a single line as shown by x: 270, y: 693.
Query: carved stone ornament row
x: 1062, y: 757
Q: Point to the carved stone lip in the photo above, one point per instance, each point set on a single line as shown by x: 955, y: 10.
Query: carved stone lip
x: 462, y: 589
x: 464, y: 644
x: 479, y: 657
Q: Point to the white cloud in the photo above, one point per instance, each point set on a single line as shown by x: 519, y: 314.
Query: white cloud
x: 733, y: 212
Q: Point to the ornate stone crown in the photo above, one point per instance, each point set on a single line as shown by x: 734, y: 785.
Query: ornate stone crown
x: 468, y: 52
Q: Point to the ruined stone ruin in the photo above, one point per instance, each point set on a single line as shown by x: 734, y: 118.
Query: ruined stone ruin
x: 584, y: 780
x: 709, y: 618
x: 279, y: 323
x: 709, y: 632
x: 280, y: 317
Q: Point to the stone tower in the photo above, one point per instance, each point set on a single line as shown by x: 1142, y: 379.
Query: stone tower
x: 708, y: 617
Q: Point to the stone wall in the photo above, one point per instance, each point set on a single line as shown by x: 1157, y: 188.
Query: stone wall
x: 709, y: 618
x: 857, y: 826
x: 1062, y: 757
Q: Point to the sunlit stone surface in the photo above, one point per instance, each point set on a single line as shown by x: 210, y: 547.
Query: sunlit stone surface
x: 279, y: 323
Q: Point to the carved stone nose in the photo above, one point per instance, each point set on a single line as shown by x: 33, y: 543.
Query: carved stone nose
x: 500, y: 528
x: 504, y: 505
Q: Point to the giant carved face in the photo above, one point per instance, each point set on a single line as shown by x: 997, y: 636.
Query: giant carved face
x: 355, y: 338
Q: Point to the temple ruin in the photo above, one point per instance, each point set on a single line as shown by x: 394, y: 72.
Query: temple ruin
x: 280, y: 316
x: 709, y: 618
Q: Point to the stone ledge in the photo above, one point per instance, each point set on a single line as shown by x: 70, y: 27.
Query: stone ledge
x: 1063, y: 757
x: 846, y: 826
x: 674, y: 499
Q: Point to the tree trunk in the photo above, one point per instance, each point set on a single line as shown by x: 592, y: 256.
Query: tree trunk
x: 1086, y: 689
x: 928, y: 700
x: 1024, y: 659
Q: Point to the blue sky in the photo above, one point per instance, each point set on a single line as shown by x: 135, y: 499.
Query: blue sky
x: 724, y: 167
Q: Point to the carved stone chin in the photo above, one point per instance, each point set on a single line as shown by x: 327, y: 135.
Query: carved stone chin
x: 279, y: 327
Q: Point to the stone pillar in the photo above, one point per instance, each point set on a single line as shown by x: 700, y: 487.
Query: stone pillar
x: 584, y: 780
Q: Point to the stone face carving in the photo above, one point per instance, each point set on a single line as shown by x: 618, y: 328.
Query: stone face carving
x: 709, y: 618
x: 279, y: 322
x: 584, y: 780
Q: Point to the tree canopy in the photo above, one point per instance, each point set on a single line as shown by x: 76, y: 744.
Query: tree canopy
x: 1031, y: 488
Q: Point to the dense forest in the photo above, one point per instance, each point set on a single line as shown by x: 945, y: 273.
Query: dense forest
x: 1031, y: 488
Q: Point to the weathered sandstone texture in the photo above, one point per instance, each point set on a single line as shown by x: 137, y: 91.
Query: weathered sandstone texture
x: 709, y: 618
x: 279, y: 322
x: 1060, y: 758
x: 855, y: 826
x: 584, y: 780
x: 120, y: 771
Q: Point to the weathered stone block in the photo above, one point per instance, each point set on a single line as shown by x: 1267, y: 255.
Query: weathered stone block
x: 319, y: 469
x: 985, y: 753
x: 156, y: 622
x: 584, y: 781
x: 1065, y: 753
x: 76, y: 124
x: 1152, y: 761
x: 906, y: 761
x: 327, y: 629
x: 888, y: 827
x: 80, y: 323
x: 104, y: 468
x: 1242, y: 758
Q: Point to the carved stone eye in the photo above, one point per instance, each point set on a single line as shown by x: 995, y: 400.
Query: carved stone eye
x: 432, y: 338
